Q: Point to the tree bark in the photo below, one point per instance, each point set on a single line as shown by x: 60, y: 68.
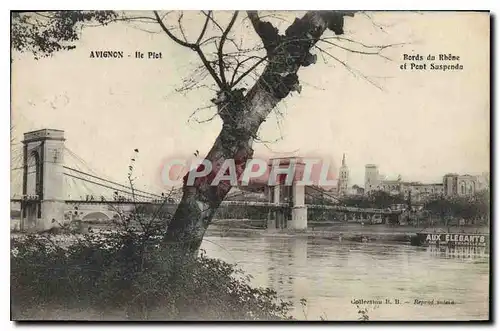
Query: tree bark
x: 242, y: 116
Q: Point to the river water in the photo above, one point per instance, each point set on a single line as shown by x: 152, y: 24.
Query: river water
x: 333, y: 277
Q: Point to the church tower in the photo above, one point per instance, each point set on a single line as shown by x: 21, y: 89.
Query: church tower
x: 343, y: 180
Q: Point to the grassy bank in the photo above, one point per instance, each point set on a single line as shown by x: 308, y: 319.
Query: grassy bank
x: 124, y: 275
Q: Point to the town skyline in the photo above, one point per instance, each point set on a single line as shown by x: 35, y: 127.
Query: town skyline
x: 398, y: 176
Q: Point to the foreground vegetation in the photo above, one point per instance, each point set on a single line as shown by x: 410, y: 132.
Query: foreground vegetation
x: 127, y: 274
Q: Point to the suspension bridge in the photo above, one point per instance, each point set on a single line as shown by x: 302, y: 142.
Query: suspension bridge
x: 51, y: 183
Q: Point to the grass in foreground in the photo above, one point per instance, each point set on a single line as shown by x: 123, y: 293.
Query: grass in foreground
x: 126, y: 275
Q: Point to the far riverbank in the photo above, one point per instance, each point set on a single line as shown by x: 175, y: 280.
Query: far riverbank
x: 353, y: 232
x: 345, y: 232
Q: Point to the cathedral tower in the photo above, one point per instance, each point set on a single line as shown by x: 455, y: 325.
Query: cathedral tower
x: 343, y: 180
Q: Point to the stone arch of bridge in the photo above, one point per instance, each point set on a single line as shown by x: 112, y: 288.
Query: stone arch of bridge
x: 91, y: 215
x: 98, y: 216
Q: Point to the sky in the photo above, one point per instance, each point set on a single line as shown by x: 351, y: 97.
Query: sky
x: 419, y: 124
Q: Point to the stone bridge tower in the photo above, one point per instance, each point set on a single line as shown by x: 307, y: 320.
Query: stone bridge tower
x: 43, y: 185
x: 295, y: 216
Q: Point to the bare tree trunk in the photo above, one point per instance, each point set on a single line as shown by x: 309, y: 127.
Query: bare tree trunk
x: 201, y: 200
x: 243, y: 115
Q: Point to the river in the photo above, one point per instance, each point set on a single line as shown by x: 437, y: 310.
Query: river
x: 331, y: 276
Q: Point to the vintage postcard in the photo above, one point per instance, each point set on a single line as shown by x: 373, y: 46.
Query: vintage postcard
x: 250, y: 165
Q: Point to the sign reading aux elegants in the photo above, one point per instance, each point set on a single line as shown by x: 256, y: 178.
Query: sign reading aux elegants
x: 458, y: 239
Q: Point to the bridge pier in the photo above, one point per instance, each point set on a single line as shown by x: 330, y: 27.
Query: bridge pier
x: 294, y: 195
x: 299, y: 210
x: 276, y: 217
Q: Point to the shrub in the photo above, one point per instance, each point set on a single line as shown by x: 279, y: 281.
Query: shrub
x: 128, y: 273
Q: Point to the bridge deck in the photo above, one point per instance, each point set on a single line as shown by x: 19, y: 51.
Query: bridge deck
x: 240, y: 203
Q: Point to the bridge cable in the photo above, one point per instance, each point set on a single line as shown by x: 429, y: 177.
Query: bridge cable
x: 321, y: 198
x: 80, y: 161
x: 111, y: 182
x: 95, y: 173
x: 106, y: 186
x: 324, y: 192
x: 99, y: 176
x: 87, y: 189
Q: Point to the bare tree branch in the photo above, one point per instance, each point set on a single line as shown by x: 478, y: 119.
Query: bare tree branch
x: 376, y: 25
x: 239, y: 64
x: 167, y: 31
x: 192, y: 116
x: 206, y: 120
x: 221, y: 46
x: 352, y: 70
x: 180, y: 26
x: 128, y: 19
x: 356, y: 51
x: 251, y: 69
x: 214, y: 21
x: 204, y: 29
x: 379, y: 48
x: 265, y: 30
x: 360, y: 43
x: 209, y: 67
x: 194, y: 47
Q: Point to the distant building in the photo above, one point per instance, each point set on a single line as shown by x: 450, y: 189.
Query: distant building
x: 483, y: 181
x: 372, y: 178
x: 450, y: 184
x: 343, y: 180
x: 463, y: 185
x: 392, y: 186
x: 356, y: 190
x: 466, y: 185
x: 418, y: 191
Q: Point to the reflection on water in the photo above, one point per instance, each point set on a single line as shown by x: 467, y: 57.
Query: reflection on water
x: 329, y: 275
x: 460, y: 252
